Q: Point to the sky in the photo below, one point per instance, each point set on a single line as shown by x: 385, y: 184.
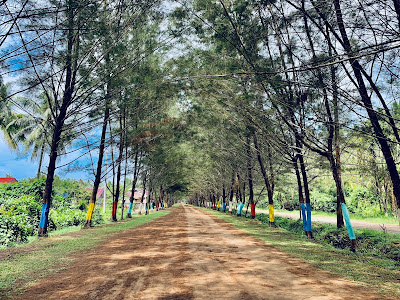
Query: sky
x: 22, y: 167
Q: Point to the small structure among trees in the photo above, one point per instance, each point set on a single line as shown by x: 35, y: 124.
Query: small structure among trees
x: 8, y: 180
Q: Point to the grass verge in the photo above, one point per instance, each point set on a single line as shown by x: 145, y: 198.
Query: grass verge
x: 48, y: 255
x: 380, y: 274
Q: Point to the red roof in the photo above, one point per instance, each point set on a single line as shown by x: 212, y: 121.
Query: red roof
x: 7, y: 180
x: 99, y: 192
x: 138, y: 194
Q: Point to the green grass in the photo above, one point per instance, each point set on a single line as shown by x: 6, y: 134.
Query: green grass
x: 50, y: 254
x: 381, y: 274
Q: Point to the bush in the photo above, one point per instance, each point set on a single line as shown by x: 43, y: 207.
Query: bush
x: 19, y: 218
x: 363, y: 201
x: 67, y: 217
x: 323, y: 202
x: 370, y: 242
x: 34, y: 188
x: 21, y: 204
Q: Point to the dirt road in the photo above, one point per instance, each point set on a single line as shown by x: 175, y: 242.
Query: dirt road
x: 190, y: 254
x: 391, y: 228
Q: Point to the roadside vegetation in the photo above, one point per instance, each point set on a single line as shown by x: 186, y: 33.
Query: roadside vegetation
x: 369, y: 242
x: 362, y: 198
x: 21, y: 204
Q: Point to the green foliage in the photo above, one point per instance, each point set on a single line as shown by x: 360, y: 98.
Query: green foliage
x: 360, y: 200
x: 66, y: 217
x: 363, y: 202
x: 284, y: 201
x: 370, y: 242
x: 323, y: 201
x: 21, y: 203
x: 19, y: 218
x: 33, y: 188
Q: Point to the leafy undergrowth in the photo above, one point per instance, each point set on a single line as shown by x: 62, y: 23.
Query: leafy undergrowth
x: 369, y: 242
x: 20, y: 210
x: 48, y: 255
x: 365, y: 267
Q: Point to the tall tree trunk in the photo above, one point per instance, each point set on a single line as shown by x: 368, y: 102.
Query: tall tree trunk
x: 40, y: 161
x: 144, y: 192
x: 336, y: 126
x: 112, y: 162
x: 134, y: 181
x: 124, y: 186
x: 59, y: 122
x: 97, y: 179
x: 125, y: 166
x: 232, y: 192
x: 119, y: 162
x: 161, y: 197
x: 150, y: 196
x: 267, y: 180
x: 223, y: 198
x: 332, y: 127
x: 300, y: 191
x: 380, y: 135
x: 250, y: 178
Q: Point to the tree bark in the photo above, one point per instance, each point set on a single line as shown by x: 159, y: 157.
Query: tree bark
x: 119, y: 161
x: 380, y: 136
x: 266, y: 178
x: 250, y: 178
x: 97, y: 179
x: 59, y: 122
x: 40, y: 161
x: 134, y: 181
x: 144, y: 192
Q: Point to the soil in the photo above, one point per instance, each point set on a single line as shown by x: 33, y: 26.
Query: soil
x: 190, y: 254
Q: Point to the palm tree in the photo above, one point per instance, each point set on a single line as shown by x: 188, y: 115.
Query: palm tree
x: 6, y: 116
x: 32, y: 129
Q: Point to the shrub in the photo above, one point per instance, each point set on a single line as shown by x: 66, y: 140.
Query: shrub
x: 21, y: 204
x: 370, y: 242
x: 34, y: 188
x: 66, y: 217
x: 19, y: 218
x: 323, y: 202
x: 363, y: 202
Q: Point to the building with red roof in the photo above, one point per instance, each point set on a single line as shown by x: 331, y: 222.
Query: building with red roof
x: 7, y: 180
x: 100, y: 192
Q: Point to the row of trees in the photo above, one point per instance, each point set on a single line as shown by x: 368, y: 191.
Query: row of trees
x: 88, y: 81
x: 305, y: 84
x: 214, y: 98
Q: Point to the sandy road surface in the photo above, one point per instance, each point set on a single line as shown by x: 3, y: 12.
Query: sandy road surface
x: 190, y: 254
x: 392, y: 228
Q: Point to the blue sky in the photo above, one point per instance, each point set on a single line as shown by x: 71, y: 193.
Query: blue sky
x: 22, y: 167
